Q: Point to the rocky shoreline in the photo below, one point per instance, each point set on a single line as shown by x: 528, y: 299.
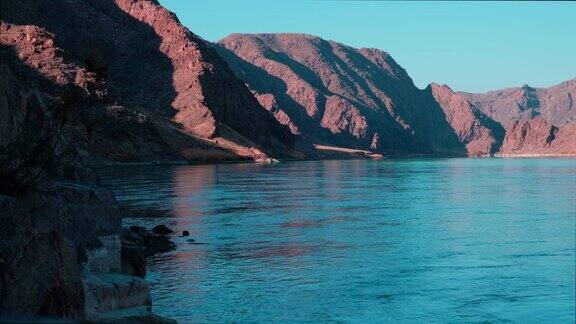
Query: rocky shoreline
x: 65, y: 255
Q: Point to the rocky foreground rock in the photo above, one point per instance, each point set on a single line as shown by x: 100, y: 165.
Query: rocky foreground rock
x: 138, y: 243
x: 61, y: 256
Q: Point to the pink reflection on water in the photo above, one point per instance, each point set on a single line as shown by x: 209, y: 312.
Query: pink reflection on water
x: 288, y: 250
x: 301, y: 224
x: 189, y: 183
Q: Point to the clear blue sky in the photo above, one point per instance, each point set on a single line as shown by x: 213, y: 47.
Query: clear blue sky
x: 471, y: 46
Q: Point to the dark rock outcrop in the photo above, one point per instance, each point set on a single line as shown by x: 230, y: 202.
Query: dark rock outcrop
x: 45, y: 237
x: 150, y: 242
x: 138, y: 243
x: 162, y: 230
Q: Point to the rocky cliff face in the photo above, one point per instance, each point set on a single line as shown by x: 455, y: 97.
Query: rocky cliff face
x: 480, y: 134
x: 536, y: 136
x: 60, y: 256
x: 149, y: 88
x: 46, y: 235
x: 326, y: 92
x: 60, y: 252
x: 333, y: 94
x: 361, y: 98
x: 554, y: 104
x: 538, y: 121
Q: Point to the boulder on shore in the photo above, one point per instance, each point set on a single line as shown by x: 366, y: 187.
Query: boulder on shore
x: 138, y: 243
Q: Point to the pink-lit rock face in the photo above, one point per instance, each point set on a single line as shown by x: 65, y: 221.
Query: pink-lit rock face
x: 538, y: 121
x: 334, y: 94
x: 555, y: 104
x: 480, y: 134
x: 136, y: 55
x: 538, y: 137
x: 146, y: 88
x: 323, y: 90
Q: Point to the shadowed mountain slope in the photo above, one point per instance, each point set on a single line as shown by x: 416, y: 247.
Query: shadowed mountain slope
x: 146, y: 88
x: 334, y: 94
x: 135, y: 65
x: 481, y: 134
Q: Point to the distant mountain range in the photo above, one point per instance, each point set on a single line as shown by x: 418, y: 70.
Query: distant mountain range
x: 334, y: 94
x: 148, y: 89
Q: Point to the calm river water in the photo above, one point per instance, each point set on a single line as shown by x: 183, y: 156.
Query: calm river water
x: 437, y: 240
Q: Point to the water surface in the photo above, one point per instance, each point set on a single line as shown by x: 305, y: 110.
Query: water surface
x: 442, y: 240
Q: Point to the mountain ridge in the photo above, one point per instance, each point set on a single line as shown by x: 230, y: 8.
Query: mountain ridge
x: 151, y: 66
x: 153, y: 90
x: 361, y: 98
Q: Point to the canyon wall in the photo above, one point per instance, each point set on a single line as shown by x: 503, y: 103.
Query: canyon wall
x: 146, y: 87
x: 333, y: 94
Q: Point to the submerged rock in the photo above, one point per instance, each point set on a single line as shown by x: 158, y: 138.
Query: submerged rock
x: 137, y: 243
x: 151, y: 242
x: 162, y: 230
x: 139, y: 230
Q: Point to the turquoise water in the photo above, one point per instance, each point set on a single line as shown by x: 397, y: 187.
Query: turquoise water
x: 439, y: 240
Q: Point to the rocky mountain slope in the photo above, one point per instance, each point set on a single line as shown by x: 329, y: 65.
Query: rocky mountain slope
x: 538, y: 121
x: 478, y: 132
x: 333, y: 94
x: 152, y: 90
x: 146, y: 87
x: 555, y: 104
x: 537, y: 137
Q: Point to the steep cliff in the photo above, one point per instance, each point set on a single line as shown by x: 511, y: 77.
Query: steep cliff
x: 149, y: 88
x: 536, y: 136
x: 60, y: 253
x: 538, y: 121
x: 479, y: 133
x: 334, y: 94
